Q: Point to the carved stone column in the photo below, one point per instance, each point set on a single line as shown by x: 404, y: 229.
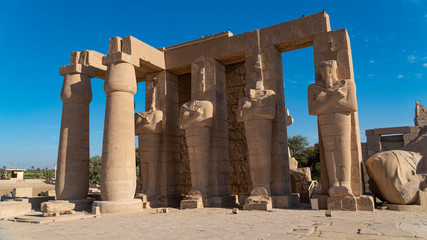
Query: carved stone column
x: 72, y: 176
x: 118, y: 171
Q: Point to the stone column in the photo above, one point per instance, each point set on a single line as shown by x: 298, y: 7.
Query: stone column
x: 72, y: 176
x: 118, y: 171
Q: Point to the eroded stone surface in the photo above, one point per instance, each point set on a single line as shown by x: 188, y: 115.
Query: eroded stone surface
x: 397, y: 176
x: 56, y: 208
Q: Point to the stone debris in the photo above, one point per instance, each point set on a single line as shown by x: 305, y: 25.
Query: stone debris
x: 56, y: 208
x: 162, y: 210
x: 328, y: 213
x: 235, y: 211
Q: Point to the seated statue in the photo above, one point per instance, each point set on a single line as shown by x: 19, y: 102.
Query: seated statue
x: 395, y: 176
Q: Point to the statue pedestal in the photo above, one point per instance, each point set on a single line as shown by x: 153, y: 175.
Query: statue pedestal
x: 82, y: 204
x: 118, y: 206
x: 286, y: 201
x: 191, y: 203
x: 262, y: 203
x: 351, y: 203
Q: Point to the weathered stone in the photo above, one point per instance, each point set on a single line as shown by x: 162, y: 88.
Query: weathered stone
x: 394, y: 174
x: 351, y: 203
x: 14, y: 207
x: 56, y: 208
x: 258, y: 200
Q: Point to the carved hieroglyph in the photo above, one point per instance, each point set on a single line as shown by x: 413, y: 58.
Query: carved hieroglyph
x: 257, y: 112
x: 333, y: 101
x: 396, y: 176
x: 148, y: 127
x: 196, y: 120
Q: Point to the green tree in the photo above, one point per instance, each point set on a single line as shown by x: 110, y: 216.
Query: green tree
x: 95, y: 170
x: 306, y: 156
x: 48, y: 174
x: 297, y: 146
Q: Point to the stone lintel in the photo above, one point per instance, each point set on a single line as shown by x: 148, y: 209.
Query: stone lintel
x: 392, y: 130
x: 285, y: 36
x: 90, y: 61
x: 120, y: 57
x: 150, y: 58
x: 74, y: 68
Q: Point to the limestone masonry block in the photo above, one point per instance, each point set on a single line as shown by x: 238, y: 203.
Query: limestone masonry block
x: 56, y: 208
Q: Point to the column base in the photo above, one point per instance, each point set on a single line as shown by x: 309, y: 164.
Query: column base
x: 133, y: 205
x: 351, y: 203
x: 286, y: 201
x: 262, y: 203
x: 82, y: 204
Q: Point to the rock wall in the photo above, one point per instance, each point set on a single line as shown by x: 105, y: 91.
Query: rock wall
x: 238, y: 152
x: 184, y: 95
x: 237, y: 148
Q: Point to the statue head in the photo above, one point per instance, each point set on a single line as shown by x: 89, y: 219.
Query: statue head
x: 328, y: 70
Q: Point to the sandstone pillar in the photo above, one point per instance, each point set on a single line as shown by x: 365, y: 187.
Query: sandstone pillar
x: 205, y: 122
x: 148, y: 127
x: 264, y: 108
x: 333, y: 99
x: 72, y: 176
x: 118, y: 171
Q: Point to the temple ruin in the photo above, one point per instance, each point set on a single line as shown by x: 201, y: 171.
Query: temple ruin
x: 215, y: 121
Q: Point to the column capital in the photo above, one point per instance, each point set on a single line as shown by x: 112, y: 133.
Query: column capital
x: 117, y: 57
x: 75, y: 68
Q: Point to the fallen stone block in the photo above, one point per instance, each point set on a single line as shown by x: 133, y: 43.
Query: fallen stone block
x: 56, y: 208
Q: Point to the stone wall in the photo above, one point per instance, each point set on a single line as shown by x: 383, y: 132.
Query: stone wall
x: 184, y: 95
x: 237, y: 148
x: 238, y: 152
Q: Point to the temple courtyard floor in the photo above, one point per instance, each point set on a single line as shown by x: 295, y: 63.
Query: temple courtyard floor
x: 219, y: 223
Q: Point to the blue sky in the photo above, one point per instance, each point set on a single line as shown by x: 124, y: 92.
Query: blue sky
x: 388, y: 41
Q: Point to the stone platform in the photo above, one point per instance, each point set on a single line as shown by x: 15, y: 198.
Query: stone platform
x: 218, y: 223
x: 361, y: 203
x: 14, y: 207
x: 39, y: 219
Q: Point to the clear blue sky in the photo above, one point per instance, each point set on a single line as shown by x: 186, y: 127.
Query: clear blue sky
x: 388, y: 41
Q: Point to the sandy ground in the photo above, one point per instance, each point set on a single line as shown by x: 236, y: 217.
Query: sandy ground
x: 216, y: 223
